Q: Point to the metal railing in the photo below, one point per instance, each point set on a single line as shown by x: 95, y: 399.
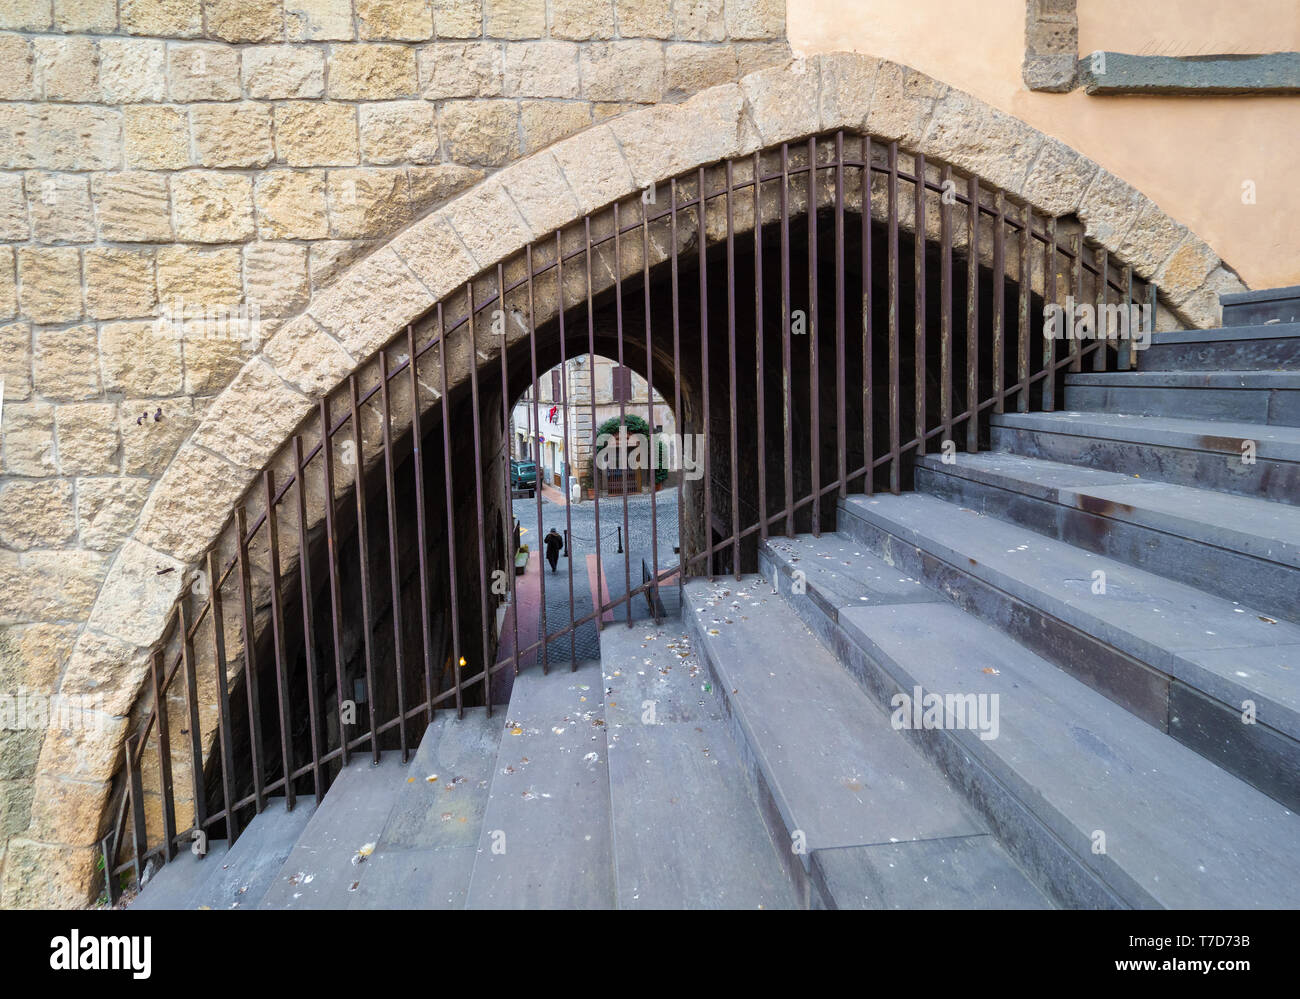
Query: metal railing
x: 268, y: 693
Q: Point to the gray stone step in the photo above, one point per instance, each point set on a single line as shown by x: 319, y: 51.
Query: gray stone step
x: 1251, y: 348
x: 231, y: 877
x: 1065, y: 762
x: 1267, y: 305
x: 179, y: 883
x: 391, y: 836
x: 687, y: 832
x: 545, y: 841
x: 1233, y: 546
x: 1268, y: 397
x: 1183, y: 660
x: 1203, y: 453
x: 836, y: 781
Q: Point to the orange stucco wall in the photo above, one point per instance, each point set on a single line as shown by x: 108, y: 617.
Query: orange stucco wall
x: 1192, y: 155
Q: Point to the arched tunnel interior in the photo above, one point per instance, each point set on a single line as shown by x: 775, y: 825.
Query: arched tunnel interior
x: 766, y: 374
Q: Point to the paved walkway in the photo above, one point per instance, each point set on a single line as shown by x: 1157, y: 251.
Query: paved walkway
x: 616, y: 568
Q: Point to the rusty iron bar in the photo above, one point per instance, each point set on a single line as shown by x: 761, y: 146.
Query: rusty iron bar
x: 363, y: 557
x: 456, y: 658
x: 1124, y: 362
x: 999, y: 301
x: 336, y: 598
x: 814, y: 334
x: 972, y: 314
x: 1022, y: 343
x: 733, y: 417
x: 677, y: 388
x: 508, y: 519
x: 918, y: 281
x: 703, y: 242
x: 868, y: 304
x: 421, y: 531
x: 653, y: 443
x: 841, y: 430
x: 483, y: 583
x: 1076, y: 349
x: 225, y: 732
x: 757, y: 167
x: 595, y: 481
x: 278, y: 638
x: 135, y: 789
x: 895, y: 472
x: 195, y: 726
x: 945, y: 305
x: 568, y: 464
x: 1049, y: 292
x: 164, y: 756
x: 251, y: 681
x: 787, y: 386
x: 1101, y: 328
x: 308, y: 591
x: 622, y: 420
x: 537, y: 471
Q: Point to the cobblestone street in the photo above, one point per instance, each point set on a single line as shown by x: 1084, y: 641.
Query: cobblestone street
x: 616, y: 567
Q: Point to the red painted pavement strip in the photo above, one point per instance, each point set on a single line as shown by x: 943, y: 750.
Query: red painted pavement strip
x: 554, y: 495
x: 528, y: 603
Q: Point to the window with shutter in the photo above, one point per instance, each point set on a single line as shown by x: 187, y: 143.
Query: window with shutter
x: 622, y: 384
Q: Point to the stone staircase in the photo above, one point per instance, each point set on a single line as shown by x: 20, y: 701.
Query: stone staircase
x: 1113, y: 591
x: 614, y: 786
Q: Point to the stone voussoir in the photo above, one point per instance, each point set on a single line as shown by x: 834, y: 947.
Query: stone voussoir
x: 307, y: 357
x: 191, y: 503
x: 371, y: 302
x: 138, y: 594
x: 710, y: 126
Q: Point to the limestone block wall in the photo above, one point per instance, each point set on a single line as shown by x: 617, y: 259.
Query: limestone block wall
x: 177, y: 179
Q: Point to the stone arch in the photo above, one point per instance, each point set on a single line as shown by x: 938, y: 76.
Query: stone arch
x: 372, y: 302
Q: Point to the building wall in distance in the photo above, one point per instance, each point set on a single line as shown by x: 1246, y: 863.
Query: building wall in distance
x: 1191, y: 155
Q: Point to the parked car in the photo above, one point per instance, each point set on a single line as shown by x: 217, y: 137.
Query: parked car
x: 523, y: 475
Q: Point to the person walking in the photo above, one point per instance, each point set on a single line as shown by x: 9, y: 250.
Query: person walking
x: 554, y: 542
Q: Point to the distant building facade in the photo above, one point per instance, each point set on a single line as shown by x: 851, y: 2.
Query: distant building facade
x: 563, y: 435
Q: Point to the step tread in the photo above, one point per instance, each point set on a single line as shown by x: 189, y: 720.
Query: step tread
x: 1083, y: 763
x: 421, y: 833
x: 232, y: 877
x: 1220, y: 436
x: 179, y: 883
x: 687, y: 832
x: 1255, y: 331
x: 1224, y: 379
x: 1281, y: 294
x: 1190, y: 634
x: 553, y: 809
x: 839, y: 772
x: 842, y: 567
x: 1266, y: 530
x: 965, y: 872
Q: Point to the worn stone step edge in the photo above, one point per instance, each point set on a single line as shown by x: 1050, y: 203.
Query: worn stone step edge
x: 1266, y: 756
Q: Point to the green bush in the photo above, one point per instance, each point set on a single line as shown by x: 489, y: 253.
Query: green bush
x: 636, y: 425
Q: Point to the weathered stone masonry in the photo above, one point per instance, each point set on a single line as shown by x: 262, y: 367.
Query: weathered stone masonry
x: 228, y: 153
x: 275, y: 223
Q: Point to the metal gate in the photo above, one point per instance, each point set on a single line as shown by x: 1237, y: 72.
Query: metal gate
x: 815, y: 313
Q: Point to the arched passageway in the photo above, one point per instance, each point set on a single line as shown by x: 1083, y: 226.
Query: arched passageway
x: 814, y: 314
